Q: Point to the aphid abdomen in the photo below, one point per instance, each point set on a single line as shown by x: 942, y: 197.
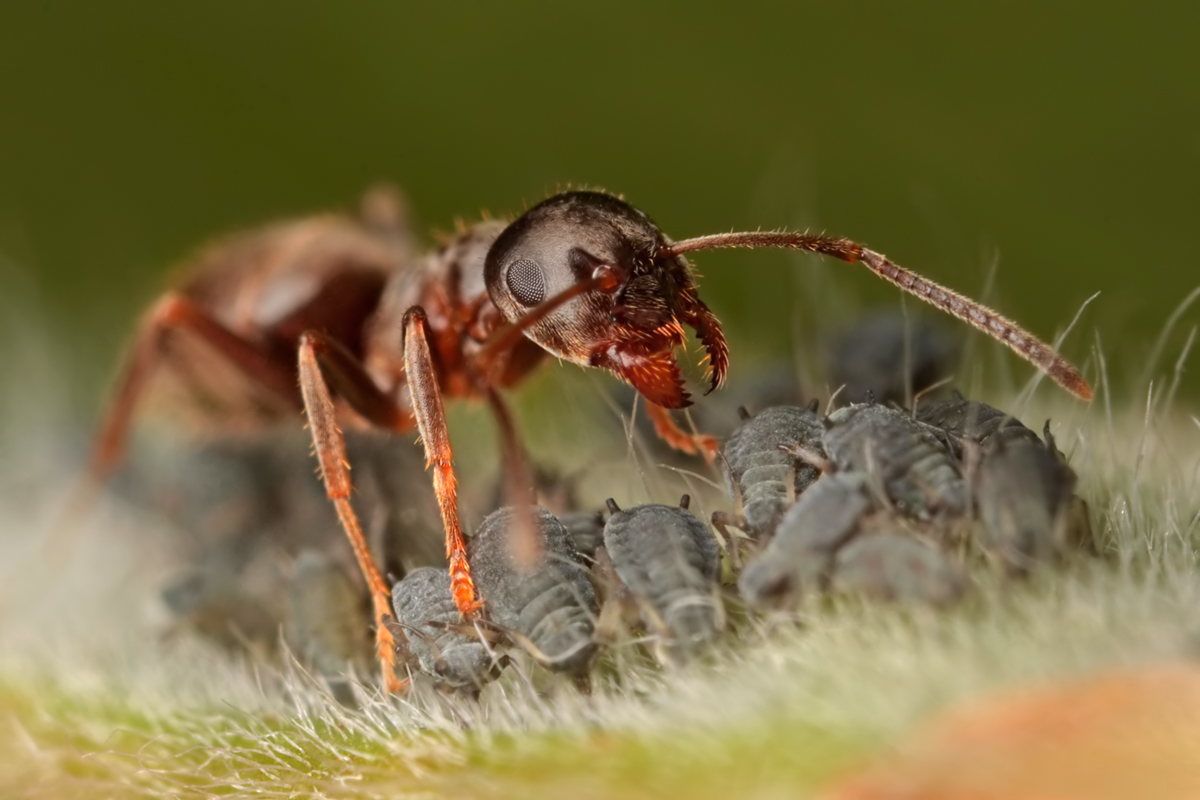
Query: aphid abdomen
x: 1024, y: 492
x: 799, y: 558
x: 890, y: 566
x: 766, y: 478
x: 972, y: 420
x: 424, y: 605
x: 912, y: 466
x: 586, y: 529
x: 670, y: 562
x: 551, y: 601
x: 324, y: 622
x: 767, y: 491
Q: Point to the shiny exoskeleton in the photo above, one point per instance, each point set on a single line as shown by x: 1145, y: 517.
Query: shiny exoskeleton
x: 429, y: 620
x: 549, y: 601
x: 761, y: 471
x: 669, y: 562
x: 903, y: 457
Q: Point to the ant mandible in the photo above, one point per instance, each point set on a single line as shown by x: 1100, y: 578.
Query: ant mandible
x: 582, y: 275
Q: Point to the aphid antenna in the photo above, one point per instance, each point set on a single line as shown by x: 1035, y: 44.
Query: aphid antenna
x: 809, y: 457
x: 832, y: 398
x: 916, y: 400
x: 688, y: 474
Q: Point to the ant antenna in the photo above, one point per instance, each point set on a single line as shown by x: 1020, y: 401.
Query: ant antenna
x: 1023, y: 343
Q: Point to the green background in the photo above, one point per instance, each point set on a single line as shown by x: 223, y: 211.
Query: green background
x: 1064, y: 137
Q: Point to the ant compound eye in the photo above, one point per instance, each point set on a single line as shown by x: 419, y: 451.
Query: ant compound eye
x: 526, y: 282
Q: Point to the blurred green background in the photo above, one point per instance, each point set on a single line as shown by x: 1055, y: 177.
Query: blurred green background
x: 1063, y: 138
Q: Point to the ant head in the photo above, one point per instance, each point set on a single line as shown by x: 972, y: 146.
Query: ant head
x: 634, y: 323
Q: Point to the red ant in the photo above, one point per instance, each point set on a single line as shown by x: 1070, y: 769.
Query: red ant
x: 342, y: 309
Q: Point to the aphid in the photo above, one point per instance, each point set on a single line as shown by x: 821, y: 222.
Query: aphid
x: 888, y: 356
x: 428, y: 619
x: 904, y: 459
x: 324, y: 620
x: 669, y: 561
x: 1025, y: 493
x: 799, y: 558
x: 339, y: 308
x: 971, y: 421
x: 892, y: 566
x: 549, y: 606
x: 762, y: 472
x: 586, y: 530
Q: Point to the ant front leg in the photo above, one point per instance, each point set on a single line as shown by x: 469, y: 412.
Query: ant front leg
x: 330, y: 447
x: 679, y: 439
x: 431, y: 422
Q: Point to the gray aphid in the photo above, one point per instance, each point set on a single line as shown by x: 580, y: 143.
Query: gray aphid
x: 800, y: 556
x: 586, y: 529
x: 892, y: 566
x: 1025, y: 491
x: 326, y: 620
x: 429, y: 620
x: 972, y: 420
x: 870, y: 357
x: 550, y: 602
x: 902, y: 456
x: 670, y: 562
x: 765, y: 478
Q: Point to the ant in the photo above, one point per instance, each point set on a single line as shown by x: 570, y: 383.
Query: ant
x: 343, y: 309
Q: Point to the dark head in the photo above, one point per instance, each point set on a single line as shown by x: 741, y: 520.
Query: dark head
x: 632, y: 325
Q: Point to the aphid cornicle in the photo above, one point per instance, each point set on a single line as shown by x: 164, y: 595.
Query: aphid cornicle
x: 549, y: 603
x: 428, y: 620
x: 582, y: 275
x: 669, y: 561
x: 760, y: 470
x: 902, y: 456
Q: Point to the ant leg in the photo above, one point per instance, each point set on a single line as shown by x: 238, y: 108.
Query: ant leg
x: 175, y: 311
x: 679, y: 439
x: 431, y: 422
x: 335, y: 471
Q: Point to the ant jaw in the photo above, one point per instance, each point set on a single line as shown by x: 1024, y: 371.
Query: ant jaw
x: 655, y: 375
x: 708, y: 330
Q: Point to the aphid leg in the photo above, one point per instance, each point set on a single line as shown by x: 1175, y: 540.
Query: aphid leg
x: 809, y: 457
x: 175, y: 312
x: 1020, y: 341
x: 431, y: 422
x: 518, y: 483
x: 330, y: 448
x: 723, y: 521
x: 679, y: 439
